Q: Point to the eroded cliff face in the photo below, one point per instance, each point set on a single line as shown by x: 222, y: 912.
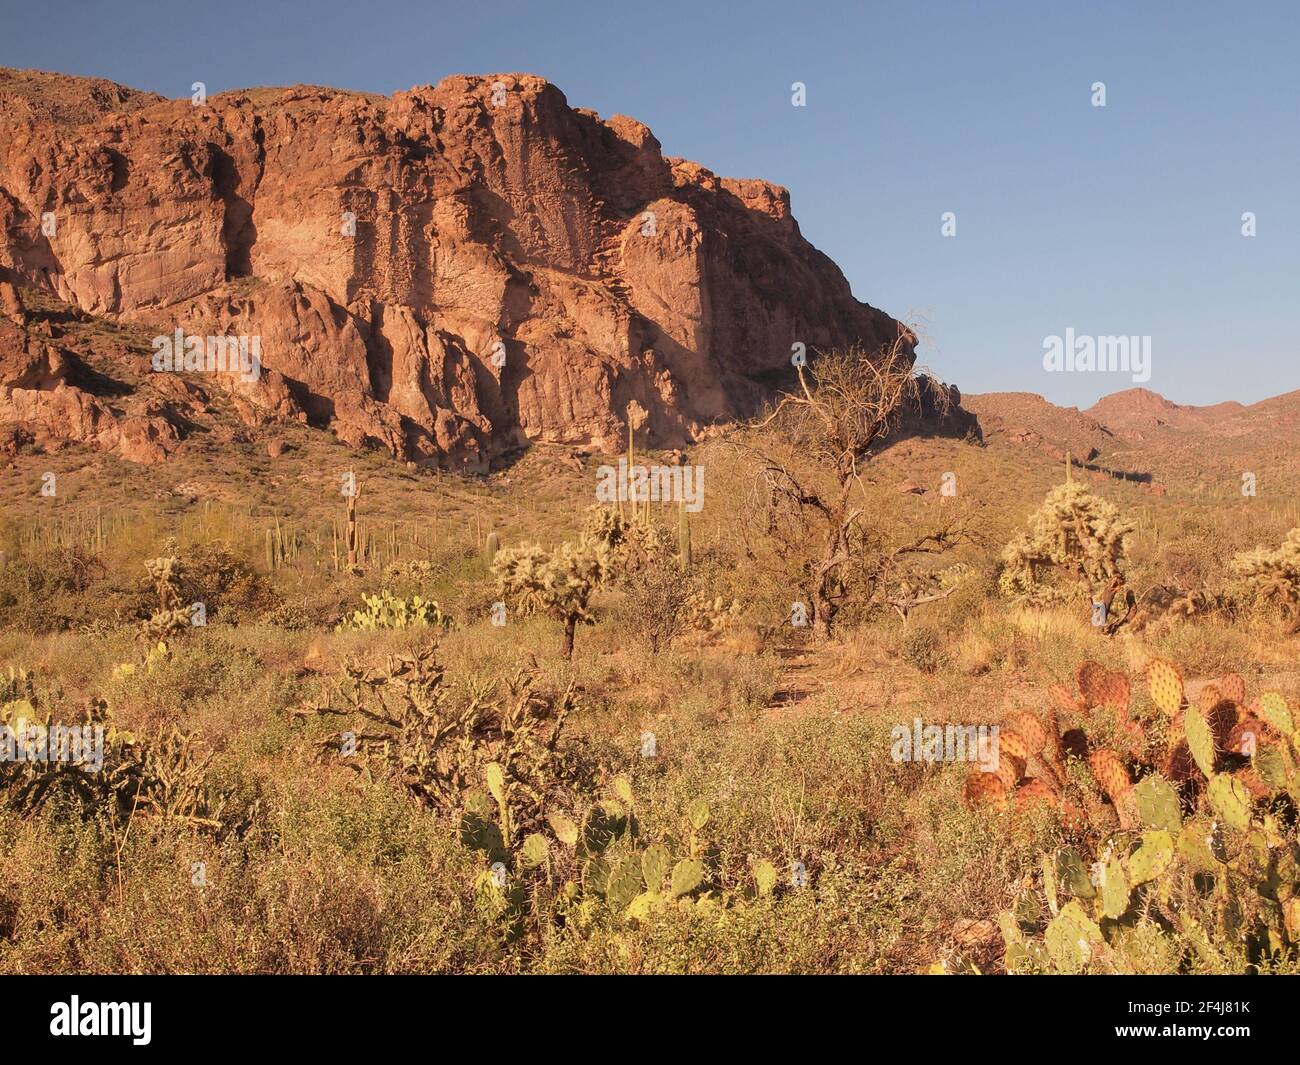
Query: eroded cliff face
x: 449, y: 273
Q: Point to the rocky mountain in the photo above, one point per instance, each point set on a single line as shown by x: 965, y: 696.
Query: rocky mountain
x: 1139, y: 435
x: 448, y: 273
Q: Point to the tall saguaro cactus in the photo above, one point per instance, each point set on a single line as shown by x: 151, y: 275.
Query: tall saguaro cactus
x: 683, y: 535
x: 351, y: 498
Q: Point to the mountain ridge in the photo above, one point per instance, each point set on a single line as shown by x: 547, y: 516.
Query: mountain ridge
x: 1139, y: 434
x: 449, y: 273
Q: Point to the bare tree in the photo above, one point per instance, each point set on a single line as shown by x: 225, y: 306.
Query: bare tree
x: 810, y: 453
x: 897, y: 574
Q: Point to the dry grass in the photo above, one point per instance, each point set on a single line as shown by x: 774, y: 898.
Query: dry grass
x: 789, y: 744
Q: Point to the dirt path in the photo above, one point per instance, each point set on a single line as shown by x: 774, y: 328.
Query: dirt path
x: 796, y: 682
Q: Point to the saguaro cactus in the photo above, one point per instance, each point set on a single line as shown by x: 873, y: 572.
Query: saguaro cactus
x: 683, y: 535
x: 352, y: 526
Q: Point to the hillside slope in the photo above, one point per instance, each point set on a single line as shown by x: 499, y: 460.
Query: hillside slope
x: 1138, y: 434
x: 448, y: 273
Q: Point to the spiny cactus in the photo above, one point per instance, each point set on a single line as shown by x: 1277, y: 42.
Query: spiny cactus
x: 491, y: 547
x: 985, y: 789
x: 1111, y: 774
x: 1186, y: 744
x: 385, y: 611
x: 165, y: 573
x: 495, y: 757
x: 632, y: 544
x: 1204, y: 880
x: 559, y: 582
x: 1272, y: 574
x: 1196, y: 864
x: 710, y: 614
x: 598, y: 865
x: 618, y: 872
x: 170, y: 618
x: 1075, y: 548
x: 162, y: 776
x: 1166, y: 685
x: 415, y: 571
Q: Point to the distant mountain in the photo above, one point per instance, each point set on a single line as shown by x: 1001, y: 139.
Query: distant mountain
x: 1137, y: 410
x: 1142, y: 435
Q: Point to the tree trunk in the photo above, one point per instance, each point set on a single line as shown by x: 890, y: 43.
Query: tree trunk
x: 570, y: 627
x: 826, y: 583
x: 821, y: 620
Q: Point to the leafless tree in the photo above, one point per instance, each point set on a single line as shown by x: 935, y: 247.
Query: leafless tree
x: 895, y: 573
x: 810, y: 453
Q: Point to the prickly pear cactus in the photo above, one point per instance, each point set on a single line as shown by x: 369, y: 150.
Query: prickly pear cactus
x: 1204, y: 877
x: 688, y: 874
x: 385, y: 611
x: 625, y: 883
x: 985, y: 789
x: 1091, y: 680
x: 656, y: 863
x: 1111, y: 774
x: 1028, y: 726
x: 1166, y: 686
x: 1273, y: 710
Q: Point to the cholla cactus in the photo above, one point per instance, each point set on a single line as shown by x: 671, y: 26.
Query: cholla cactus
x: 170, y: 618
x: 165, y: 573
x: 559, y: 582
x: 710, y: 615
x: 162, y: 624
x: 1075, y: 547
x: 403, y: 720
x: 632, y: 545
x: 114, y: 775
x: 1273, y: 574
x: 418, y: 571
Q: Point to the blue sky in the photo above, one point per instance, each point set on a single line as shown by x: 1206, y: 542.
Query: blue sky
x: 1122, y: 220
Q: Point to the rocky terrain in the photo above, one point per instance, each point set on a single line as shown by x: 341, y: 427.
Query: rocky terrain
x: 450, y: 273
x: 1139, y: 435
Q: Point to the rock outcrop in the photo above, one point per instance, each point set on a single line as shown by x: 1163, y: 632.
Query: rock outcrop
x: 448, y: 273
x: 43, y: 404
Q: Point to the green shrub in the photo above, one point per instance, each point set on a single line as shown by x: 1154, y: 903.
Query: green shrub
x: 55, y: 589
x: 921, y: 648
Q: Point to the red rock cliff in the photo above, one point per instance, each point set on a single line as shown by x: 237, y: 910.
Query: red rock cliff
x: 388, y: 252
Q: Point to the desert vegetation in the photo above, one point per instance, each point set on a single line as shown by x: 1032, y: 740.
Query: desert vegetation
x: 361, y: 732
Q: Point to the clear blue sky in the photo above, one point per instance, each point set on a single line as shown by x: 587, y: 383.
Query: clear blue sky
x: 1117, y: 220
